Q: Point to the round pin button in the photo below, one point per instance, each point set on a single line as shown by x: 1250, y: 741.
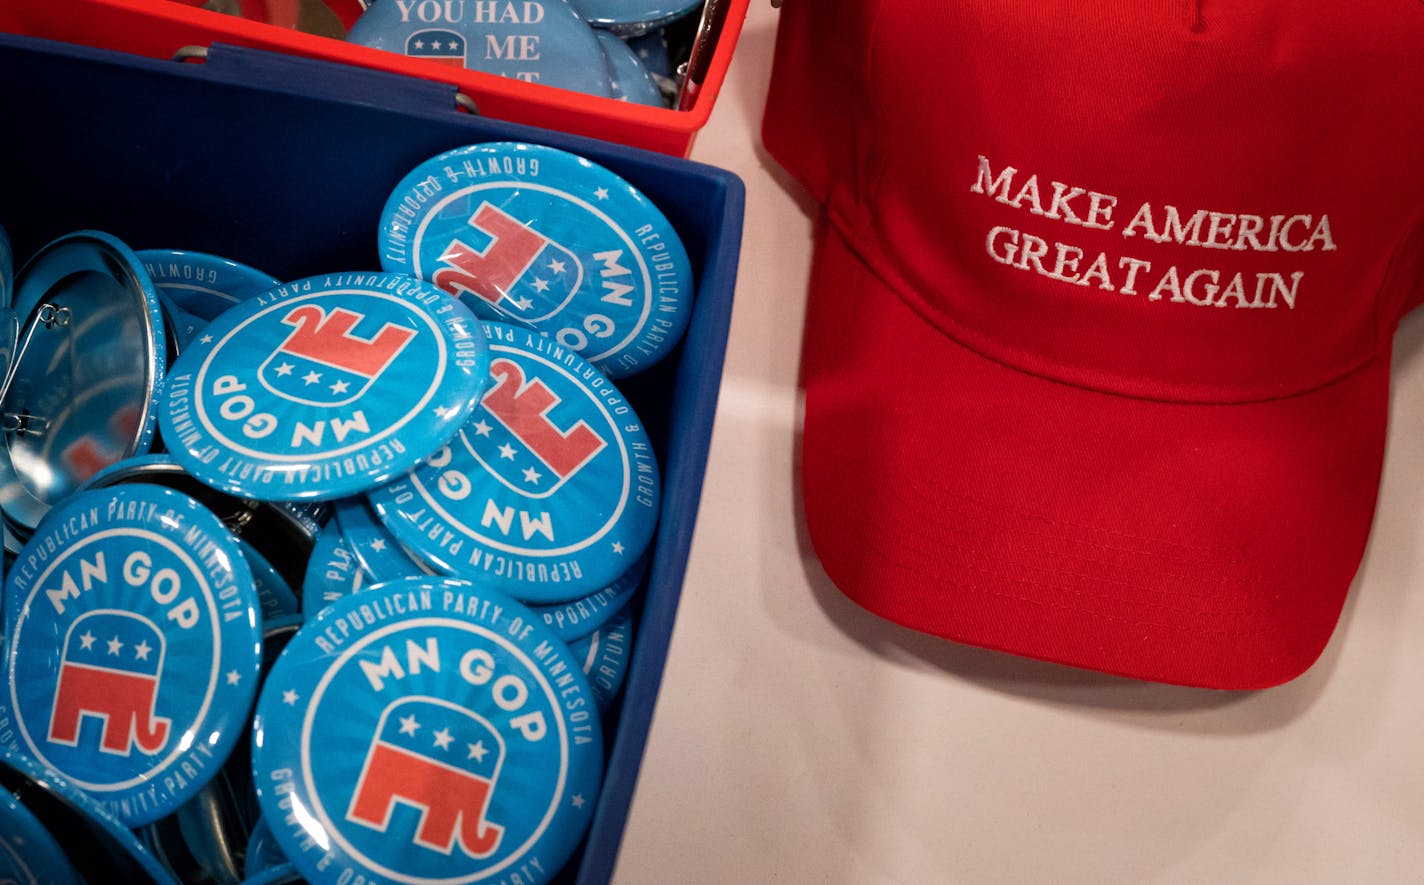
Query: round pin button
x: 631, y: 81
x: 381, y: 554
x: 201, y: 284
x: 134, y: 648
x: 538, y: 41
x: 432, y: 731
x: 278, y: 532
x: 577, y: 618
x: 332, y: 571
x: 604, y: 656
x: 100, y: 847
x: 89, y: 356
x: 550, y: 492
x: 28, y: 853
x: 546, y: 239
x: 323, y: 387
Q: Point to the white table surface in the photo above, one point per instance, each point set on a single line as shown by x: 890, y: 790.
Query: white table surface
x: 798, y: 738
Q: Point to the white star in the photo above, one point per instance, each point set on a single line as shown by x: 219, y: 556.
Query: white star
x: 541, y: 285
x: 339, y: 387
x: 379, y: 545
x: 86, y: 640
x: 601, y: 193
x: 532, y: 475
x: 482, y: 428
x: 408, y: 725
x: 140, y: 651
x: 443, y: 738
x: 507, y: 451
x: 577, y: 800
x: 312, y: 377
x: 284, y: 369
x: 434, y: 44
x: 289, y: 697
x: 442, y: 413
x: 477, y: 751
x: 232, y: 677
x: 524, y: 304
x: 555, y: 265
x: 419, y: 44
x: 206, y: 339
x: 618, y: 547
x: 115, y: 645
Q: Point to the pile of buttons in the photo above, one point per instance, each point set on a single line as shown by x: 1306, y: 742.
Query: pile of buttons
x: 331, y: 578
x: 610, y: 48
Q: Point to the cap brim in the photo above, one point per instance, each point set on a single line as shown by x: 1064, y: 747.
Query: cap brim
x: 1204, y: 545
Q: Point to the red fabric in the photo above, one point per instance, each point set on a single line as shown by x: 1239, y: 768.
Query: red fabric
x: 1137, y: 428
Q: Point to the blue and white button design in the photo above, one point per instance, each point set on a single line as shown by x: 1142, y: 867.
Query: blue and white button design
x: 332, y: 571
x: 548, y: 240
x: 201, y: 284
x: 631, y: 81
x: 79, y: 824
x: 549, y: 493
x: 577, y: 618
x: 134, y: 653
x: 537, y: 41
x: 323, y: 387
x: 381, y: 554
x: 604, y: 655
x: 28, y: 853
x: 432, y: 732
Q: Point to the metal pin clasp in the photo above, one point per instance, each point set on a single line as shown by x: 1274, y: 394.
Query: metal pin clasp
x: 50, y: 316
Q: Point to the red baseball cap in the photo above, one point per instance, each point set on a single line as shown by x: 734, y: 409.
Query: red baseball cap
x: 1098, y: 341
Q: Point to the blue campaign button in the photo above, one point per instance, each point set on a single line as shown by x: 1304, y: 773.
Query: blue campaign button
x: 94, y: 351
x: 332, y: 571
x: 631, y: 80
x: 381, y: 554
x: 538, y: 41
x: 604, y: 655
x: 134, y: 647
x: 28, y: 853
x: 550, y: 491
x: 636, y: 16
x: 323, y: 387
x: 201, y: 284
x: 181, y: 327
x: 100, y: 847
x: 652, y: 50
x: 577, y: 618
x: 432, y: 731
x: 546, y: 239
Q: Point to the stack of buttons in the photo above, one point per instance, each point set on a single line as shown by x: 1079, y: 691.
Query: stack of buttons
x: 586, y: 46
x: 340, y: 582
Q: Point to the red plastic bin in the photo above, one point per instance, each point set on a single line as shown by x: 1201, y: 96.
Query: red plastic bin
x: 159, y: 28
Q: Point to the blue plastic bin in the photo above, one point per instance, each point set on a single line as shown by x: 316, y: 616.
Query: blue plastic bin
x: 285, y: 163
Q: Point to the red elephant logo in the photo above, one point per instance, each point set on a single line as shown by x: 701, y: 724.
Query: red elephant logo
x: 110, y: 671
x: 437, y: 757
